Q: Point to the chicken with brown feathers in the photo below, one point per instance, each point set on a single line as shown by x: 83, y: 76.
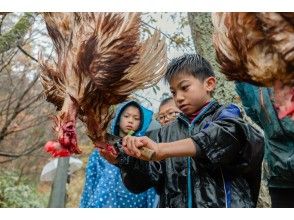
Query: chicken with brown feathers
x: 100, y: 62
x: 258, y: 48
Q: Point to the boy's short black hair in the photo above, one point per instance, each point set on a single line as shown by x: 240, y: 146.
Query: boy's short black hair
x: 193, y: 64
x: 166, y: 100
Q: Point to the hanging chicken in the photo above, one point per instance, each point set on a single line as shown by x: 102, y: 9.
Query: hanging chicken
x: 258, y: 48
x: 100, y: 62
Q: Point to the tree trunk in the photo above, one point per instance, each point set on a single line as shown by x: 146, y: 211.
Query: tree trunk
x: 201, y: 30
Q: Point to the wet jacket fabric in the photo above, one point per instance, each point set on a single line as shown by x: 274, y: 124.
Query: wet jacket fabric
x: 224, y: 173
x: 279, y: 134
x: 103, y: 186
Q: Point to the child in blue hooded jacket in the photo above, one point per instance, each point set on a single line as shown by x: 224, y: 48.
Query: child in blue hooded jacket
x: 103, y: 184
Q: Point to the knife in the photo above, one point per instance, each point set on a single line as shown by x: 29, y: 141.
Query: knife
x: 116, y: 141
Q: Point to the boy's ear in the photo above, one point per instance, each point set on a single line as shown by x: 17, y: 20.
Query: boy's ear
x: 210, y: 83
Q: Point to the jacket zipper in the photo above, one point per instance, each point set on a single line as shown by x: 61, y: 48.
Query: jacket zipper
x: 190, y: 125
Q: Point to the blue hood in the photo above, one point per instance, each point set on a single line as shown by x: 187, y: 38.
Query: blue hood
x: 146, y: 117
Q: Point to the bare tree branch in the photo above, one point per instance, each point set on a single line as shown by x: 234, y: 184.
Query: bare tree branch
x: 27, y: 54
x: 8, y: 62
x: 24, y: 153
x: 39, y: 122
x: 17, y: 109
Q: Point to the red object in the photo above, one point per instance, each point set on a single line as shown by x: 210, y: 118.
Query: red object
x: 67, y: 142
x: 284, y: 100
x: 68, y: 138
x: 55, y: 149
x: 109, y: 148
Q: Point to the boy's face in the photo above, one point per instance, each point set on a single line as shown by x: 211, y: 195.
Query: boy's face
x: 129, y: 120
x: 190, y: 93
x: 167, y: 112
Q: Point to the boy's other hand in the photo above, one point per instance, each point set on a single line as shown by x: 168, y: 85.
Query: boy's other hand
x: 131, y: 146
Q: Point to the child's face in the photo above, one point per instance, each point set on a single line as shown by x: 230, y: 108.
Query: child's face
x: 190, y: 93
x: 168, y: 112
x: 129, y: 120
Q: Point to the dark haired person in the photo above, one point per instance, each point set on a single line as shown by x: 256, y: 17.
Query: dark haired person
x: 168, y: 111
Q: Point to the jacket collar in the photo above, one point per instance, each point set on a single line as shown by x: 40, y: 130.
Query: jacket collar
x: 207, y: 110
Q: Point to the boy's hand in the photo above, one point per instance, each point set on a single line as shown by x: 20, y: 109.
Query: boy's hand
x: 131, y: 146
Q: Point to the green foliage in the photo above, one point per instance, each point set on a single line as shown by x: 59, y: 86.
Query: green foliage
x: 19, y: 194
x: 14, y: 36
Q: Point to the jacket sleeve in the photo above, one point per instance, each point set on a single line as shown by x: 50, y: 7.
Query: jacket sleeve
x: 229, y: 142
x: 91, y: 178
x: 139, y: 175
x: 250, y: 100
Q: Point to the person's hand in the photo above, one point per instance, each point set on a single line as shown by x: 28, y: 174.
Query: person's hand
x: 131, y: 146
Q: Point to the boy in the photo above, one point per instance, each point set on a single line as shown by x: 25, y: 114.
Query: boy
x: 168, y: 111
x: 103, y: 185
x: 208, y: 157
